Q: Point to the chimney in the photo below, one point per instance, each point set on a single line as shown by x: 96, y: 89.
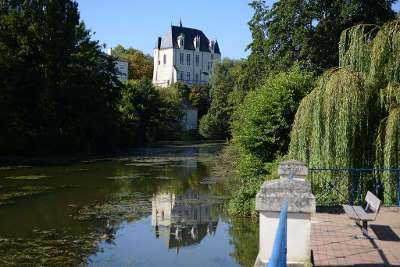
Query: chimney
x: 109, y: 51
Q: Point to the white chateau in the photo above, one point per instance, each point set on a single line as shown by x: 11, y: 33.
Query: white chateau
x: 184, y: 55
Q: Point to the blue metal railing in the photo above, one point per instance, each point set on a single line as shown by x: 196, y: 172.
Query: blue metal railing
x: 347, y: 185
x: 278, y: 257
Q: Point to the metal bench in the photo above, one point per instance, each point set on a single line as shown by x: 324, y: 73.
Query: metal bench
x: 360, y: 215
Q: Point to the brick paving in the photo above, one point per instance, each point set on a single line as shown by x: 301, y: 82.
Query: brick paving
x: 333, y: 242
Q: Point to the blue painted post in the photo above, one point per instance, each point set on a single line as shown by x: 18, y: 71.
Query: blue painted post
x: 352, y: 185
x: 279, y: 251
x: 284, y: 248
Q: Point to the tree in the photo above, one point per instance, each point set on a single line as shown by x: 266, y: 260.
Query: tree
x: 215, y: 124
x: 182, y: 90
x: 146, y: 115
x: 58, y: 90
x: 265, y: 117
x: 306, y: 32
x: 261, y: 131
x: 143, y: 107
x: 140, y: 65
x: 364, y: 130
x: 198, y: 97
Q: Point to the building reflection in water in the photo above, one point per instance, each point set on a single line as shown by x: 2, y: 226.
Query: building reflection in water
x: 182, y: 220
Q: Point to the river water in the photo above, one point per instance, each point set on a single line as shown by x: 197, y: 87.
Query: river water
x: 161, y: 206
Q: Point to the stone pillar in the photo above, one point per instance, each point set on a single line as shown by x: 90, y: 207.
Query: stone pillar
x: 301, y: 203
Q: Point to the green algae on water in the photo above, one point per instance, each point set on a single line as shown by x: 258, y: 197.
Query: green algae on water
x: 165, y: 178
x: 133, y: 176
x: 7, y: 168
x: 27, y: 177
x: 130, y: 206
x: 48, y: 248
x: 25, y: 191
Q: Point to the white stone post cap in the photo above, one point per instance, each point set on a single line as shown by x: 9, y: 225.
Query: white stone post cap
x: 298, y: 168
x: 297, y: 193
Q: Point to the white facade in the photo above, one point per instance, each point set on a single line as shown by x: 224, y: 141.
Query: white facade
x: 184, y: 55
x: 190, y: 117
x: 182, y: 220
x: 122, y: 66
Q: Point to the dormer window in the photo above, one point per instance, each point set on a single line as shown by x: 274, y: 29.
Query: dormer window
x: 196, y: 43
x: 212, y: 46
x: 181, y: 41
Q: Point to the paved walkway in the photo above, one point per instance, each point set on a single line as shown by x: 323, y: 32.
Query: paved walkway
x: 333, y: 244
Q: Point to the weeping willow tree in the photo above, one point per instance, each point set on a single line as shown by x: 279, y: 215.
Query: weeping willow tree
x: 352, y: 118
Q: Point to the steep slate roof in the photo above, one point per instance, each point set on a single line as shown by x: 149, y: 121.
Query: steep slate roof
x: 170, y: 39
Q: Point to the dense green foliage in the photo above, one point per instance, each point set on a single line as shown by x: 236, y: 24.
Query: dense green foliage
x: 60, y: 93
x: 181, y: 97
x: 199, y: 98
x: 196, y: 96
x: 364, y: 130
x: 146, y: 116
x: 265, y: 117
x: 140, y: 65
x: 215, y: 124
x: 182, y: 90
x: 306, y: 32
x: 262, y: 129
x: 291, y: 40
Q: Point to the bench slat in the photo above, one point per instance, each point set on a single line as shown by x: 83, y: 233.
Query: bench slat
x: 361, y: 213
x: 373, y: 201
x: 356, y: 212
x: 350, y: 211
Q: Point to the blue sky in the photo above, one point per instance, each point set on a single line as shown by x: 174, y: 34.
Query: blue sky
x: 138, y: 23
